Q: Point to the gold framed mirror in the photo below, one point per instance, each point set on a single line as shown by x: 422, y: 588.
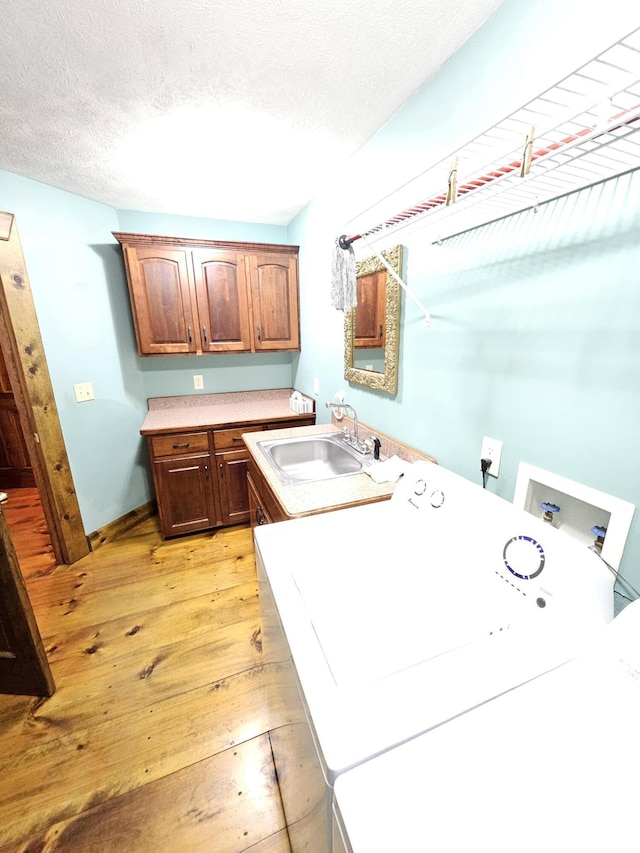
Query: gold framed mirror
x: 372, y: 329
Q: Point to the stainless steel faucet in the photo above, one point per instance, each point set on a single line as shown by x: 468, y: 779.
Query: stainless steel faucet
x: 352, y: 441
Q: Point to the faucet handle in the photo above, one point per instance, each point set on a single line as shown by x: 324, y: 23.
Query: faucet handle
x: 375, y: 443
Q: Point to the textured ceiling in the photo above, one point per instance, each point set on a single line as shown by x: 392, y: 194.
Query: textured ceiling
x: 230, y: 109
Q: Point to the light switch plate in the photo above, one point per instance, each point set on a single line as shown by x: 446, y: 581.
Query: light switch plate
x: 83, y: 391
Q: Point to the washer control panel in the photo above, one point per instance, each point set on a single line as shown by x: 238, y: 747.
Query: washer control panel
x: 480, y: 530
x: 524, y: 557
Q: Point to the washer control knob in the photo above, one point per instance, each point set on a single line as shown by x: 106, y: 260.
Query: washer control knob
x: 420, y: 487
x: 437, y: 498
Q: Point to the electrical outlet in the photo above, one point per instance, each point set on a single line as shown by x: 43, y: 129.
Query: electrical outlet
x: 198, y: 382
x: 492, y: 450
x: 83, y: 392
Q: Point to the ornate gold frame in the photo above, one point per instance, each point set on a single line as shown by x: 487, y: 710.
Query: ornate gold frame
x: 387, y: 381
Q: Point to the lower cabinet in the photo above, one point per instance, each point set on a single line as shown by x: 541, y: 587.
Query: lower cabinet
x: 263, y: 506
x: 201, y: 478
x: 184, y: 482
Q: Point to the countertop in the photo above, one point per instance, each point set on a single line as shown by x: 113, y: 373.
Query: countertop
x: 213, y: 411
x: 325, y: 495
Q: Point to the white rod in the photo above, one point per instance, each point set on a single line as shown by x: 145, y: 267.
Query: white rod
x: 405, y: 287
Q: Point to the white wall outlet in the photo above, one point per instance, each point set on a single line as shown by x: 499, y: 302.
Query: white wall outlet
x: 492, y: 450
x: 198, y: 382
x: 83, y: 392
x: 316, y: 387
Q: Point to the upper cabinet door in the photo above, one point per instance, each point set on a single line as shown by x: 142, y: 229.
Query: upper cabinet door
x: 223, y: 310
x: 274, y: 297
x: 161, y: 293
x: 370, y: 315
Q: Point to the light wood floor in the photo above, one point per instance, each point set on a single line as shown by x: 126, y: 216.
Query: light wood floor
x: 157, y: 736
x: 29, y: 534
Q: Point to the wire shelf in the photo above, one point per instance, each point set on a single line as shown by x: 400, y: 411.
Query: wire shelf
x: 586, y: 129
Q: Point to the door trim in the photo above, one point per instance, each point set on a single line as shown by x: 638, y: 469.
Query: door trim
x: 30, y: 381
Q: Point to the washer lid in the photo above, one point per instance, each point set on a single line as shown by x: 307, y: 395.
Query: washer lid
x: 373, y: 620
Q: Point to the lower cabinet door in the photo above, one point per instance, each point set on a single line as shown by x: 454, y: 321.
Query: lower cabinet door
x: 232, y: 484
x: 185, y: 492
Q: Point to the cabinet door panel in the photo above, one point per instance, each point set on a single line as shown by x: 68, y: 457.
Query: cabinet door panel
x: 185, y: 495
x: 221, y: 287
x: 370, y: 316
x: 161, y: 294
x: 232, y: 481
x: 274, y: 296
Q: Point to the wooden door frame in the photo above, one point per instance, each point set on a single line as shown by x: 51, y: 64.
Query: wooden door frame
x: 24, y: 354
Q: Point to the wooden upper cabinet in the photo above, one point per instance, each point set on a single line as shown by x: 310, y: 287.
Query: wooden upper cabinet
x: 201, y: 296
x: 274, y: 297
x: 223, y: 307
x: 160, y: 285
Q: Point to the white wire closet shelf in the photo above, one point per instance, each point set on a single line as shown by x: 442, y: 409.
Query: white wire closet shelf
x: 585, y: 129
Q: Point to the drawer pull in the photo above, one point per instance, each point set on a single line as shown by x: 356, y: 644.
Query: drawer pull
x: 206, y: 471
x: 204, y: 333
x: 190, y: 335
x: 236, y: 438
x: 186, y: 444
x: 259, y: 331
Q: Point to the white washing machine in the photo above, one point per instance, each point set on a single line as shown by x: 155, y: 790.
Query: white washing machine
x: 548, y: 766
x: 384, y: 621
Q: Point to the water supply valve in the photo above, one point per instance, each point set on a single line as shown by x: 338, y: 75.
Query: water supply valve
x: 549, y: 511
x: 599, y: 532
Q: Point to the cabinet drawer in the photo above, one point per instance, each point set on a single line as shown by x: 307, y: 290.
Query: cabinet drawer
x: 231, y: 439
x: 180, y: 444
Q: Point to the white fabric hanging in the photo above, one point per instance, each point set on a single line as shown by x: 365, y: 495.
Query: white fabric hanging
x: 344, y: 294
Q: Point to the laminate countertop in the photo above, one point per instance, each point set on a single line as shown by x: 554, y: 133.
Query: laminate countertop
x: 215, y: 411
x: 326, y: 495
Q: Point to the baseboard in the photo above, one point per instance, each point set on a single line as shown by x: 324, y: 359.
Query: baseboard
x: 115, y: 528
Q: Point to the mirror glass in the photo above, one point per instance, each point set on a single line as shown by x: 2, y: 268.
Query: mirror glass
x: 372, y: 329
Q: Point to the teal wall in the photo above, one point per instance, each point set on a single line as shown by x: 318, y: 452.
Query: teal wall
x: 533, y: 338
x: 80, y: 294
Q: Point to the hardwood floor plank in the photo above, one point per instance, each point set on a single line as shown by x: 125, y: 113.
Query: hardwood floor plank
x: 277, y: 843
x: 226, y: 804
x: 60, y: 603
x: 88, y: 766
x: 195, y: 617
x: 29, y: 532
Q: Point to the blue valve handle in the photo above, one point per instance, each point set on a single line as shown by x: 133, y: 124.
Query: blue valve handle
x: 599, y: 531
x: 547, y: 507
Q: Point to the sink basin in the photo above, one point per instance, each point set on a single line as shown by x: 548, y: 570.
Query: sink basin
x: 314, y: 457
